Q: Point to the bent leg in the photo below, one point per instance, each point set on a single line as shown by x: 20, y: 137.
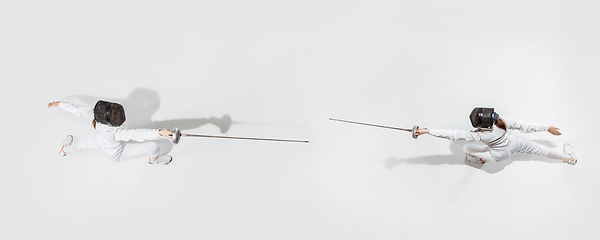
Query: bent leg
x: 473, y: 148
x: 89, y: 143
x: 139, y: 150
x: 480, y: 157
x: 478, y: 153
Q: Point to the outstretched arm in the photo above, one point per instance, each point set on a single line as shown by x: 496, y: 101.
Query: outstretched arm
x: 421, y: 131
x: 78, y: 110
x: 451, y: 134
x: 53, y: 104
x: 529, y: 127
x: 166, y: 133
x: 525, y: 127
x: 141, y: 135
x: 554, y: 130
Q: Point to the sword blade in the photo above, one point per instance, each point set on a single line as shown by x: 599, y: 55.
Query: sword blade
x: 372, y: 125
x: 244, y: 138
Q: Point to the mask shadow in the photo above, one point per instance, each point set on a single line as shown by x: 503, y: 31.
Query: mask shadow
x: 142, y: 103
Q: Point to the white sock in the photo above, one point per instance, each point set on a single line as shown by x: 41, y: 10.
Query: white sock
x: 558, y: 155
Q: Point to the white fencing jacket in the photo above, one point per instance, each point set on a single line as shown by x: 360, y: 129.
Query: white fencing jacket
x: 500, y: 143
x: 111, y: 140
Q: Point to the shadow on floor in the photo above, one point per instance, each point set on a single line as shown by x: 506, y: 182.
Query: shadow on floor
x: 142, y: 103
x: 458, y: 158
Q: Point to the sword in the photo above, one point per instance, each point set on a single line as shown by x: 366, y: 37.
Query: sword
x: 412, y: 130
x: 177, y: 134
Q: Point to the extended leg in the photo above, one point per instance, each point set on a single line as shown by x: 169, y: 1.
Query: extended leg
x: 531, y: 147
x: 557, y: 155
x: 89, y: 143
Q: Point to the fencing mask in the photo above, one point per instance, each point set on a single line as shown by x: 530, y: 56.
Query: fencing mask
x: 483, y: 117
x: 108, y: 113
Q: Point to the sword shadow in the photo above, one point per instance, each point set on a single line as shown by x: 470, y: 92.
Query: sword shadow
x: 458, y: 158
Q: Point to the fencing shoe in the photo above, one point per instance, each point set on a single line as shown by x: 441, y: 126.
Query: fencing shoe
x: 474, y: 159
x: 67, y: 142
x: 568, y: 149
x: 164, y: 160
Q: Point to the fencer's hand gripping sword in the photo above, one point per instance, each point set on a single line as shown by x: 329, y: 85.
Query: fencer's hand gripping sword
x: 413, y: 130
x: 177, y: 134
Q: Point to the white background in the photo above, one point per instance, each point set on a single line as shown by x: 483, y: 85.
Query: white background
x: 279, y: 69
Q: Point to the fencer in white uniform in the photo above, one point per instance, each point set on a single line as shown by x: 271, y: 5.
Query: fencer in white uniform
x: 115, y: 142
x: 499, y: 143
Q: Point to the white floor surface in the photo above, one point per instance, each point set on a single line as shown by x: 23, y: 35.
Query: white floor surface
x: 280, y: 69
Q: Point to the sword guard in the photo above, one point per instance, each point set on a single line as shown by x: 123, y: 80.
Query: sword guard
x: 414, y: 132
x: 176, y: 135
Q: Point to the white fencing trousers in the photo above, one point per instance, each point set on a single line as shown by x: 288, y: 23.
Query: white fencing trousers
x: 517, y: 144
x: 139, y: 150
x: 125, y: 151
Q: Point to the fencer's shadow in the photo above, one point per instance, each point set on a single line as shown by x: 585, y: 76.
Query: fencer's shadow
x: 142, y: 103
x: 458, y: 158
